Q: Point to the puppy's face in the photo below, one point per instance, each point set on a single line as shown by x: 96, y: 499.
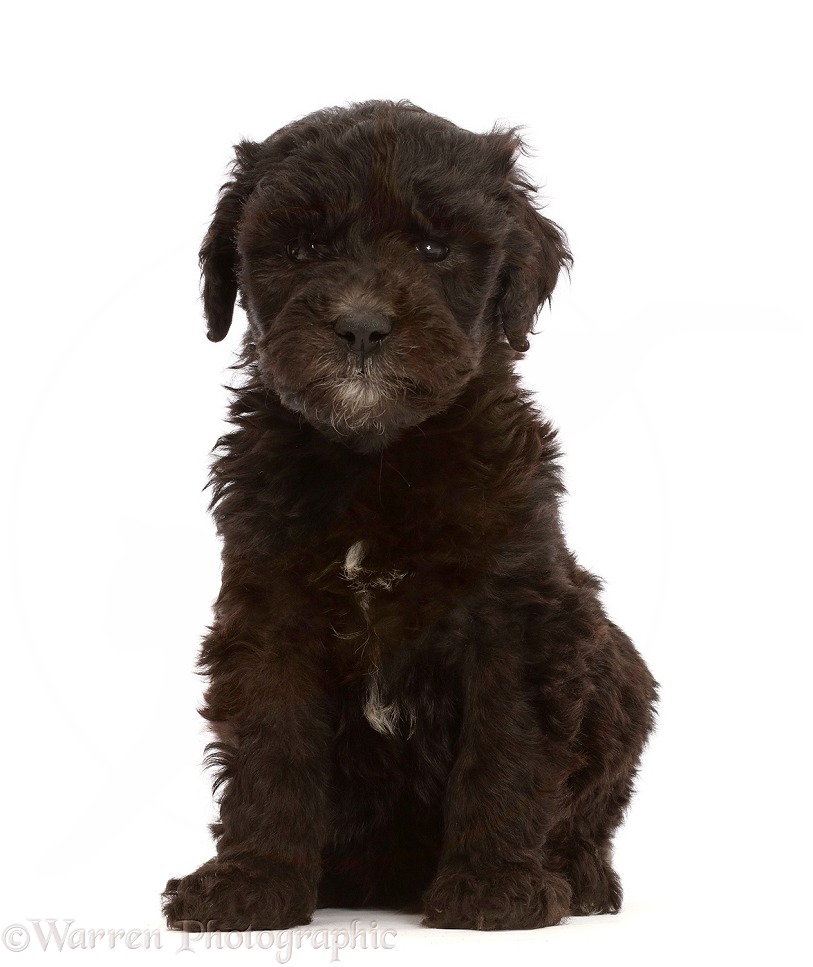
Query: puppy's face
x: 379, y: 253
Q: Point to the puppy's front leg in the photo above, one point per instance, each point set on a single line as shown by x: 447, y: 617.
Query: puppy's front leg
x: 503, y: 797
x: 270, y: 712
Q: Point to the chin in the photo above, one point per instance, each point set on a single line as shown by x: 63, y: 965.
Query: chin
x: 363, y: 411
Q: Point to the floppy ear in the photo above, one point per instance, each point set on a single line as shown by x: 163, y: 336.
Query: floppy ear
x: 218, y: 254
x: 536, y: 249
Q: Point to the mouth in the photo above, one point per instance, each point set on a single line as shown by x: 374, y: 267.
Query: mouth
x: 364, y: 380
x: 363, y: 401
x: 369, y: 386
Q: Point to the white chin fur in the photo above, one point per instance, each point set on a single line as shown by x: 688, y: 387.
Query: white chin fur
x: 359, y: 393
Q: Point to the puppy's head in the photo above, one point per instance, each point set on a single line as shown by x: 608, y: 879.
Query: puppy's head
x: 380, y: 253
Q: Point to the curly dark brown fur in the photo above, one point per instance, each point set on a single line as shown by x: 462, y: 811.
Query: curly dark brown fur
x: 417, y: 698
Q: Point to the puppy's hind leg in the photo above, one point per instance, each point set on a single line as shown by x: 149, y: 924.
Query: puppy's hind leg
x: 601, y: 792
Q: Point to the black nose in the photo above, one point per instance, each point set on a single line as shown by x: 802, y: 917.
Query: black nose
x: 363, y: 330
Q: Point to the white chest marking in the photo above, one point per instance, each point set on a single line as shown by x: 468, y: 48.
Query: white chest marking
x: 383, y: 717
x: 352, y: 560
x: 362, y: 580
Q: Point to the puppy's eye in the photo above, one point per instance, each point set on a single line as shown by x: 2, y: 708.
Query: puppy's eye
x: 431, y: 250
x: 297, y: 251
x: 306, y: 250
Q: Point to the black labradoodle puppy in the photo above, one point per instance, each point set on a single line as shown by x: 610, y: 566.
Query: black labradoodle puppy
x: 417, y: 698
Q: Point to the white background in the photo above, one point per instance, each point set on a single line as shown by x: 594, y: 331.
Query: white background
x: 672, y: 141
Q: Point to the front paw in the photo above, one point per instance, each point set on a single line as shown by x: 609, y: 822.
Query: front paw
x: 506, y: 898
x: 244, y: 893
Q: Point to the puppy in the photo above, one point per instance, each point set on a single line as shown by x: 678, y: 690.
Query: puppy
x: 417, y: 699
